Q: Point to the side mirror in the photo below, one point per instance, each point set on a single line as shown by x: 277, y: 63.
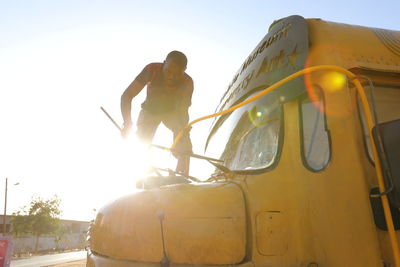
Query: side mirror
x: 387, y: 139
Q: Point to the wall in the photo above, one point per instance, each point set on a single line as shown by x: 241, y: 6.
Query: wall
x: 74, y: 237
x: 24, y: 245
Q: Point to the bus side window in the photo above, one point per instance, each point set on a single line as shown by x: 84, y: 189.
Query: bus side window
x: 315, y: 136
x: 364, y: 126
x: 387, y: 101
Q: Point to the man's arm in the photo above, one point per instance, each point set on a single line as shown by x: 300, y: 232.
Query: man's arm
x: 187, y: 96
x: 126, y: 102
x: 185, y: 102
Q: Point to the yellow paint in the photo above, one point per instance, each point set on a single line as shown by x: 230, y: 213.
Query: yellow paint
x: 333, y: 81
x: 289, y: 215
x: 209, y: 232
x: 272, y: 234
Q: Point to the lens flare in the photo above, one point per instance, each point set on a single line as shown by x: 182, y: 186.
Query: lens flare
x: 333, y: 81
x: 139, y: 157
x: 256, y: 116
x: 329, y: 85
x: 332, y: 86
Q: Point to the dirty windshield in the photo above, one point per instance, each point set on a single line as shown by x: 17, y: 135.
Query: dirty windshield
x: 248, y: 138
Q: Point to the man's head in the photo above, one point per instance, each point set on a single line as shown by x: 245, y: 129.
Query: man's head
x: 174, y: 67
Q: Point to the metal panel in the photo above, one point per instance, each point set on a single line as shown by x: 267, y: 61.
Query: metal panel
x: 202, y: 224
x: 272, y: 233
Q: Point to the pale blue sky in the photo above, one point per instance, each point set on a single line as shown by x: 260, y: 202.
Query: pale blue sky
x: 61, y: 60
x: 22, y: 21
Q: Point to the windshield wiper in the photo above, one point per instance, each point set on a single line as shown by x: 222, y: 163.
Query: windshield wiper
x: 172, y: 172
x: 186, y: 153
x: 213, y: 161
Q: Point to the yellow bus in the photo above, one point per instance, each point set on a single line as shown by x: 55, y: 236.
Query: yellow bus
x: 300, y: 182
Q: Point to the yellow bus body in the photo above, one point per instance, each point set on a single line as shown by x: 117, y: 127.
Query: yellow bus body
x: 297, y: 210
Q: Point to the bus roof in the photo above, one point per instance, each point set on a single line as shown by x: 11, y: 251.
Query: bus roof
x: 294, y: 43
x: 352, y: 46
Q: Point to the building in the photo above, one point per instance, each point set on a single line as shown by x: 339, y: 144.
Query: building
x: 71, y: 235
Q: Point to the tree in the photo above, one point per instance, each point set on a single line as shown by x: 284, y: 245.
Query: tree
x: 20, y: 222
x: 40, y: 218
x: 60, y: 235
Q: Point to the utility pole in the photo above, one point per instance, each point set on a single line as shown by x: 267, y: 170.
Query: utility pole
x: 5, y: 209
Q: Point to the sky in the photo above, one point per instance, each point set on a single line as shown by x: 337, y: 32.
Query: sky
x: 61, y: 60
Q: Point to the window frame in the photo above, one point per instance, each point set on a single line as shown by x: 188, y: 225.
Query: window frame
x: 278, y: 154
x: 281, y: 135
x: 301, y: 129
x: 361, y: 116
x: 363, y: 127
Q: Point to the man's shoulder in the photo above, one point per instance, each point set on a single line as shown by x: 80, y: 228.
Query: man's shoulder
x: 187, y: 79
x: 154, y: 66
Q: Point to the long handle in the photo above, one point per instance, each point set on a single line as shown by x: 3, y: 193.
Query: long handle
x: 111, y: 119
x: 188, y: 154
x: 162, y: 147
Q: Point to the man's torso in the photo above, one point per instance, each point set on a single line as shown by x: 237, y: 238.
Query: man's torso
x: 161, y: 97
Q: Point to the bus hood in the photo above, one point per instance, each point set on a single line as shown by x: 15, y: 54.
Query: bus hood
x: 201, y: 224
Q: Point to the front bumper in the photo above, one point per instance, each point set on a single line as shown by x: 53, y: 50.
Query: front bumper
x: 94, y: 260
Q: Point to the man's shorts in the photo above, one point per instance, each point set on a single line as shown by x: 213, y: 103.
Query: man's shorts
x: 148, y: 122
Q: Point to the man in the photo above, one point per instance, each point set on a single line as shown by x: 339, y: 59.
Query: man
x: 169, y: 94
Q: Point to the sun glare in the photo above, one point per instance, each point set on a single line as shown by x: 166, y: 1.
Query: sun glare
x: 333, y: 81
x: 139, y: 155
x: 143, y: 158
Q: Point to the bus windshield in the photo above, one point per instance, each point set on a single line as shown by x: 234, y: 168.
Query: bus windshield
x: 248, y: 138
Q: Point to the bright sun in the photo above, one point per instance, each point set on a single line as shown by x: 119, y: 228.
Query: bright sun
x: 140, y: 158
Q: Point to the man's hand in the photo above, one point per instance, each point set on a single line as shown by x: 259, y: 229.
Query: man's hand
x: 126, y: 130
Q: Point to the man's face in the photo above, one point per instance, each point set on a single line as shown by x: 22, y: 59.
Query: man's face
x: 172, y: 72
